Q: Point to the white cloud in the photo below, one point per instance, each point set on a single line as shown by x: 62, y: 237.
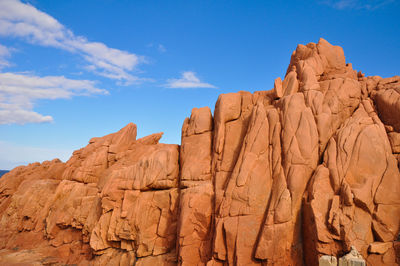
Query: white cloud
x: 14, y: 114
x: 13, y: 155
x: 18, y: 93
x: 188, y: 80
x: 4, y: 53
x: 357, y: 4
x: 22, y: 20
x: 161, y: 48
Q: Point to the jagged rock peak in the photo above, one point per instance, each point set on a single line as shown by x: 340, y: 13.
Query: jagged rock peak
x: 299, y: 175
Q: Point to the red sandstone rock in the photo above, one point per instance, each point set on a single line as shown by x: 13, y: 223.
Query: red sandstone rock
x: 283, y: 177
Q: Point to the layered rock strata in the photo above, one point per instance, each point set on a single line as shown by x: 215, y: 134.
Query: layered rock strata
x: 291, y: 176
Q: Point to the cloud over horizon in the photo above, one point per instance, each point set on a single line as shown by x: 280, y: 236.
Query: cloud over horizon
x: 10, y: 154
x: 19, y: 92
x: 23, y: 20
x: 187, y: 80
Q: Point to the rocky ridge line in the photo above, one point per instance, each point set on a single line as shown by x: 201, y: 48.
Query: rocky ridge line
x: 280, y: 177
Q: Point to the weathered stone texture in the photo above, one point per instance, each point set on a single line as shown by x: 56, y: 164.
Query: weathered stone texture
x: 300, y: 175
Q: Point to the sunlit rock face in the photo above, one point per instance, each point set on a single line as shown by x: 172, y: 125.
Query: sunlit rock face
x: 303, y: 173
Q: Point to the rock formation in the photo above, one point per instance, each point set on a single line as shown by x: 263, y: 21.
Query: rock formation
x: 292, y: 176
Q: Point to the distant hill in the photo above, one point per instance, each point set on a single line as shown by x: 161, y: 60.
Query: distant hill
x: 2, y: 172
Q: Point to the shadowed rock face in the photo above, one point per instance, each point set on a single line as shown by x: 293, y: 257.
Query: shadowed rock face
x: 280, y: 177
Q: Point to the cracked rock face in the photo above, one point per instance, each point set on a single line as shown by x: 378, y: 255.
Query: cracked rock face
x: 292, y: 176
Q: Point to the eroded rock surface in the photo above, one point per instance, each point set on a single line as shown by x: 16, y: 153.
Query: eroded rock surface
x: 299, y: 175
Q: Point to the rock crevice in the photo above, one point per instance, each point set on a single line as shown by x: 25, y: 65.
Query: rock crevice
x: 299, y: 175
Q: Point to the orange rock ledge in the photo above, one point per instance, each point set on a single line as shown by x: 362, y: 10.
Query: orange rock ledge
x: 279, y: 177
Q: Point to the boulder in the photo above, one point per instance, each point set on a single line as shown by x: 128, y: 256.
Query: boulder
x: 299, y: 175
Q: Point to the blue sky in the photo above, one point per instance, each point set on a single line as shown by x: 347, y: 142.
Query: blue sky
x: 72, y: 70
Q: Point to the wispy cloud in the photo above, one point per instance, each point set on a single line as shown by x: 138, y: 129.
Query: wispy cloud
x: 188, y: 80
x: 22, y: 20
x: 4, y: 54
x: 19, y: 92
x: 357, y: 4
x: 161, y: 48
